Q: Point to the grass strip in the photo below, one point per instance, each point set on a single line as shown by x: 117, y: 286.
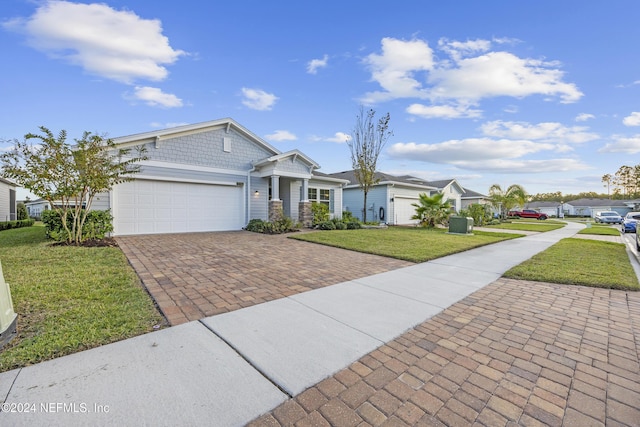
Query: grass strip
x: 411, y: 244
x: 600, y: 231
x: 580, y: 262
x: 526, y: 226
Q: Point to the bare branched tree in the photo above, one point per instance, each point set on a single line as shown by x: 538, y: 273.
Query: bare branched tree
x: 368, y: 140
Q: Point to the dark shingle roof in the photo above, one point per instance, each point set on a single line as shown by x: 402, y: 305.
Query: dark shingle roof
x: 596, y: 202
x: 383, y: 177
x: 470, y: 194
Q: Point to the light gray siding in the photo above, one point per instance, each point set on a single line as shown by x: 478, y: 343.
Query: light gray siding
x: 258, y: 208
x: 4, y: 201
x: 207, y: 149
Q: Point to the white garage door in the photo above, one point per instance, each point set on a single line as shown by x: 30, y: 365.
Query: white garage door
x: 404, y: 211
x: 149, y: 207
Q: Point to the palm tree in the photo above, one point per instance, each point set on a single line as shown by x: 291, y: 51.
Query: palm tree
x: 504, y: 201
x: 432, y: 210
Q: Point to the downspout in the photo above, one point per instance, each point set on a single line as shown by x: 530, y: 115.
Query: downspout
x: 253, y: 169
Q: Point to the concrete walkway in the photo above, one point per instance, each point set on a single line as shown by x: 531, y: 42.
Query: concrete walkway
x: 232, y: 368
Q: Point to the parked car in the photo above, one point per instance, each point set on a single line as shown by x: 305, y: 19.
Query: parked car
x: 608, y: 217
x: 528, y: 213
x: 629, y: 222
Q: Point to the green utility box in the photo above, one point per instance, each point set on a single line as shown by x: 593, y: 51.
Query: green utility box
x: 7, y: 315
x: 460, y: 225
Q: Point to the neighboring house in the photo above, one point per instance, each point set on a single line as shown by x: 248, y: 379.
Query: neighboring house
x: 389, y: 201
x: 590, y: 207
x: 215, y: 176
x: 470, y: 197
x: 452, y: 191
x: 8, y: 202
x: 36, y: 207
x: 548, y: 208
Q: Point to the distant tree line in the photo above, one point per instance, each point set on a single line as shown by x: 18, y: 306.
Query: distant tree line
x: 624, y: 184
x: 559, y: 197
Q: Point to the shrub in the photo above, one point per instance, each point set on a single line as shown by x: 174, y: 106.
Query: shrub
x: 21, y: 212
x: 256, y: 225
x: 340, y: 225
x: 353, y: 225
x: 320, y: 212
x: 7, y: 225
x: 347, y: 217
x: 327, y: 225
x: 284, y: 225
x: 97, y: 225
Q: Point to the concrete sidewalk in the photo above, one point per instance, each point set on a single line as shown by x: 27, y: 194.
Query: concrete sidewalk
x: 231, y: 368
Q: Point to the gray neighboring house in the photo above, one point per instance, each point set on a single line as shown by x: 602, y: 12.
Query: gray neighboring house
x: 470, y: 197
x: 590, y: 207
x: 548, y: 208
x: 215, y: 176
x: 8, y: 202
x: 36, y: 207
x: 389, y: 201
x: 451, y: 189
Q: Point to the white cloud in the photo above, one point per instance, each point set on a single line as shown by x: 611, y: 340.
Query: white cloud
x: 457, y: 49
x: 118, y: 45
x: 339, y: 137
x: 472, y: 149
x: 167, y: 125
x: 548, y: 132
x: 621, y: 144
x: 583, y: 117
x: 472, y: 72
x: 500, y: 74
x: 257, y: 99
x: 526, y: 166
x: 396, y: 67
x: 443, y: 111
x: 154, y: 97
x: 281, y: 135
x: 314, y: 64
x: 486, y: 154
x: 632, y: 120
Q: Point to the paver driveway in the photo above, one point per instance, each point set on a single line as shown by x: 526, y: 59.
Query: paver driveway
x: 196, y: 275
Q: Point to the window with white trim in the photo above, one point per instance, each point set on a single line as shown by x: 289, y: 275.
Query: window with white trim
x: 320, y: 195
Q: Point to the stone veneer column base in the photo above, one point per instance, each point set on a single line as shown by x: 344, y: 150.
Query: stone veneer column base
x: 275, y: 210
x: 305, y: 215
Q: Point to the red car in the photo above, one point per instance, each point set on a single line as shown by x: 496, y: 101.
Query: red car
x: 529, y: 213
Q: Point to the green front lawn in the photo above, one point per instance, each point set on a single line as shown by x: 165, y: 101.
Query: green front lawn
x: 410, y: 244
x: 600, y: 231
x: 540, y: 226
x: 69, y: 298
x: 580, y: 262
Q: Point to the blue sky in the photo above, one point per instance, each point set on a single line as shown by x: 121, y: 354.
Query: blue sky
x: 544, y: 94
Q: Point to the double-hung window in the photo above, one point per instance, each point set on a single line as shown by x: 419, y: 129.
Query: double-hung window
x: 320, y: 195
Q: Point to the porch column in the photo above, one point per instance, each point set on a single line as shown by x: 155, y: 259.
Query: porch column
x: 275, y: 204
x: 305, y: 190
x: 275, y: 187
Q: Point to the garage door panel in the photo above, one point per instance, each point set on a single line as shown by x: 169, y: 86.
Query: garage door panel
x: 404, y: 211
x: 145, y: 207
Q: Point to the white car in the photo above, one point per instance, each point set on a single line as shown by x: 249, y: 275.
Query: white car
x: 609, y: 217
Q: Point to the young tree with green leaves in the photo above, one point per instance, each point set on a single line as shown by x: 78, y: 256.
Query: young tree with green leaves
x: 69, y: 176
x: 367, y: 141
x: 506, y: 200
x: 432, y: 210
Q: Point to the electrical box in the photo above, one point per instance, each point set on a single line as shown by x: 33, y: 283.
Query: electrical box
x: 460, y: 225
x: 7, y: 316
